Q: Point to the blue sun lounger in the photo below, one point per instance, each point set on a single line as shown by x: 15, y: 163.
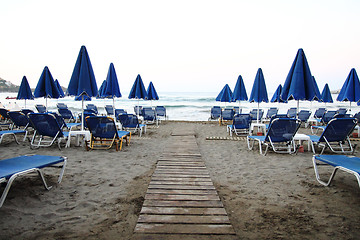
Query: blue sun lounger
x: 11, y: 132
x: 348, y: 164
x: 13, y: 167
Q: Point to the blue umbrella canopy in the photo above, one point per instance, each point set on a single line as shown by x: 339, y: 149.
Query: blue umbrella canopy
x: 276, y: 97
x: 151, y: 92
x: 24, y: 90
x: 138, y: 89
x: 350, y: 91
x: 82, y: 82
x: 101, y: 90
x: 111, y: 89
x: 299, y: 84
x: 225, y: 95
x: 239, y: 93
x: 326, y: 95
x: 59, y: 88
x: 46, y: 86
x: 258, y: 92
x: 317, y: 92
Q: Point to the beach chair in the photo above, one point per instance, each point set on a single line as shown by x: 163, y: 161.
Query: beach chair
x: 227, y: 115
x: 66, y: 114
x: 254, y: 113
x: 279, y: 136
x: 65, y: 125
x: 138, y: 110
x: 149, y: 116
x: 61, y: 106
x: 215, y: 113
x: 92, y: 107
x: 160, y: 112
x: 341, y: 111
x: 324, y: 120
x: 13, y: 133
x: 12, y: 168
x: 237, y: 110
x: 348, y: 164
x: 26, y: 111
x: 104, y: 133
x: 109, y: 110
x: 335, y: 136
x: 130, y: 122
x: 271, y: 112
x: 291, y: 113
x: 119, y: 111
x: 304, y: 116
x: 241, y: 124
x: 6, y: 122
x: 47, y: 130
x: 319, y: 113
x: 20, y: 122
x: 40, y: 108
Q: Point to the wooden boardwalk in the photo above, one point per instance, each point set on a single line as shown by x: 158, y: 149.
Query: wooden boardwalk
x: 181, y: 201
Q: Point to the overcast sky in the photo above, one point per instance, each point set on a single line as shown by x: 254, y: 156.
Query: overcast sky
x: 180, y: 45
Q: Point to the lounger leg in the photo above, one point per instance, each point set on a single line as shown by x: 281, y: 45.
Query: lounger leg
x: 248, y: 142
x: 318, y: 176
x: 15, y: 138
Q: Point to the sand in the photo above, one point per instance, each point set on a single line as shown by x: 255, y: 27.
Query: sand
x: 100, y: 197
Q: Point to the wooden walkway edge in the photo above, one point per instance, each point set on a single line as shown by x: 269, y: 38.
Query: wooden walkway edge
x: 181, y: 201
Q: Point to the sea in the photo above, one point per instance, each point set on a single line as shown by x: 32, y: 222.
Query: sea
x: 186, y: 106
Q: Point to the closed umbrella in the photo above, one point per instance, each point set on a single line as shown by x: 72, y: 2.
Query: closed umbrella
x: 326, y: 95
x: 299, y: 84
x: 25, y: 90
x: 225, y: 95
x: 62, y: 94
x: 276, y: 97
x: 350, y: 91
x: 82, y: 83
x: 138, y: 90
x: 111, y: 88
x: 46, y: 86
x: 101, y: 90
x: 151, y: 93
x: 258, y: 92
x: 239, y: 93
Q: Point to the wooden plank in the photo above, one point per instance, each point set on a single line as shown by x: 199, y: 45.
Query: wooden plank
x: 177, y: 172
x: 192, y: 197
x: 157, y: 236
x: 198, y: 183
x: 179, y: 175
x: 169, y: 203
x: 183, y: 211
x: 185, y: 228
x: 187, y: 219
x: 181, y: 191
x: 180, y: 186
x: 181, y: 167
x: 182, y: 179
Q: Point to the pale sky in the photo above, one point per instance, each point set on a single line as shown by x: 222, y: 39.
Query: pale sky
x: 180, y: 45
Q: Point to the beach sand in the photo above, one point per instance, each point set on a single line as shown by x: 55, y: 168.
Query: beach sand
x: 101, y: 195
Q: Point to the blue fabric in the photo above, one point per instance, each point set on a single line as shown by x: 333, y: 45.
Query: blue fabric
x: 260, y: 138
x: 326, y: 95
x: 112, y: 88
x: 82, y: 80
x: 101, y: 90
x: 317, y: 92
x: 45, y: 124
x: 338, y: 129
x: 11, y: 131
x: 350, y: 91
x: 59, y: 88
x: 24, y: 90
x: 10, y: 166
x: 299, y: 84
x: 282, y: 130
x: 239, y: 93
x: 276, y: 97
x: 151, y: 92
x: 138, y: 89
x: 101, y: 127
x: 128, y: 120
x: 46, y: 86
x: 241, y: 121
x: 225, y: 95
x: 348, y: 162
x: 258, y: 92
x: 18, y: 118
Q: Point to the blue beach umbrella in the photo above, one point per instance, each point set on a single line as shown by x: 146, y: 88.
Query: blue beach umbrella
x: 151, y: 93
x: 276, y: 97
x: 350, y: 91
x: 326, y: 95
x: 111, y: 88
x: 82, y: 82
x: 138, y: 90
x: 46, y: 86
x: 258, y: 92
x: 239, y: 93
x: 317, y: 91
x: 101, y: 90
x: 62, y: 94
x: 24, y: 90
x: 299, y: 84
x: 225, y: 95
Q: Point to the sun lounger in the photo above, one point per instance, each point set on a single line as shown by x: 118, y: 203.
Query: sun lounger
x: 40, y: 108
x: 304, y: 116
x: 319, y: 113
x: 12, y: 133
x: 130, y: 122
x: 215, y: 113
x: 348, y: 164
x: 66, y: 114
x: 20, y: 122
x: 61, y: 106
x: 12, y: 168
x: 109, y: 110
x: 280, y: 136
x: 335, y: 136
x: 160, y: 112
x: 291, y: 113
x: 271, y: 112
x: 227, y: 115
x: 241, y: 124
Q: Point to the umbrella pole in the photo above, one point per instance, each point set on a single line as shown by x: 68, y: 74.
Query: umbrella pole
x: 46, y: 104
x: 297, y: 108
x: 25, y: 103
x: 257, y: 117
x: 82, y: 115
x: 114, y: 108
x: 350, y: 107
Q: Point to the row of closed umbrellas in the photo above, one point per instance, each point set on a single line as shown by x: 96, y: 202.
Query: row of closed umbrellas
x: 83, y: 85
x: 299, y: 85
